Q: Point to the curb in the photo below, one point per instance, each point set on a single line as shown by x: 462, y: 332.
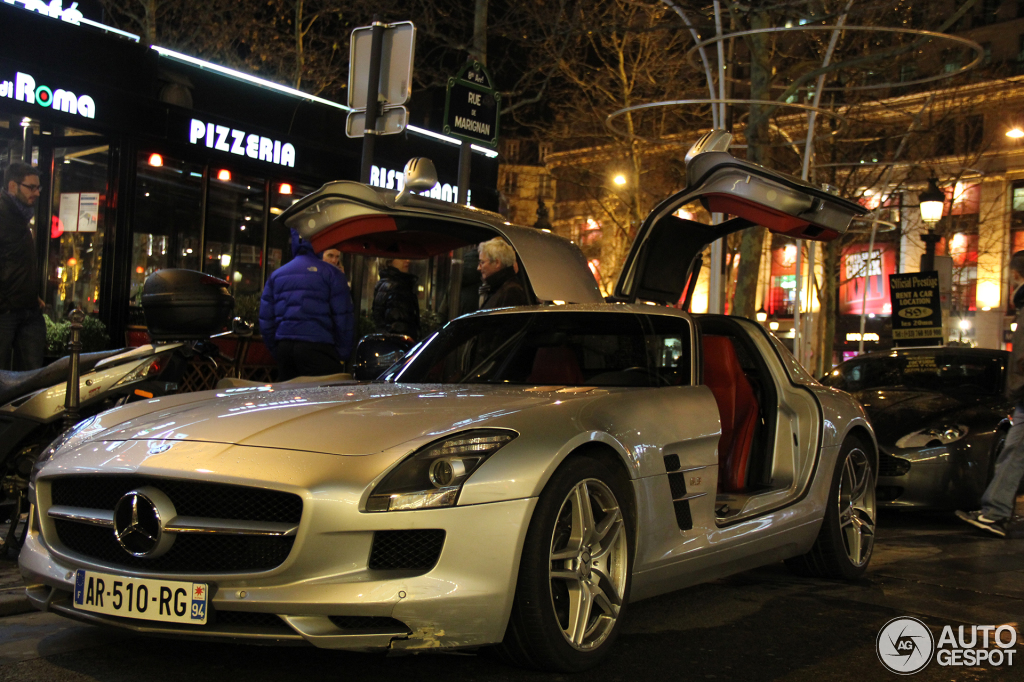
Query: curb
x: 15, y: 603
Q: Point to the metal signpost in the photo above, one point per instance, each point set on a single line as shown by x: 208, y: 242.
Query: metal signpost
x: 472, y: 111
x: 380, y: 61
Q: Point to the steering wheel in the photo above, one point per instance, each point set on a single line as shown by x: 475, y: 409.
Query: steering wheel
x: 659, y: 380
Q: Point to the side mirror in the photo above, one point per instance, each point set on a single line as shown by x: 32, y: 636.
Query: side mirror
x: 376, y: 352
x: 419, y: 175
x: 240, y: 327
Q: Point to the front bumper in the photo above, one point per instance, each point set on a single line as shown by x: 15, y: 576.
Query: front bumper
x: 942, y: 477
x: 326, y: 595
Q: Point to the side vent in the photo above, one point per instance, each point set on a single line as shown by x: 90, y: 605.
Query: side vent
x: 680, y: 498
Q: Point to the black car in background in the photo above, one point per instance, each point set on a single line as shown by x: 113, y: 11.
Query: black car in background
x: 940, y: 417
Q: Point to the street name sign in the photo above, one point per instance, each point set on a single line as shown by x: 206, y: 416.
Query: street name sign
x: 472, y: 107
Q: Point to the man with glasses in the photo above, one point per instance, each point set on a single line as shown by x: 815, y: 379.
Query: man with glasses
x: 22, y: 328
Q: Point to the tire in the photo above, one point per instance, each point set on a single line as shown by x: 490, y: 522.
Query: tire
x: 579, y: 544
x: 847, y: 536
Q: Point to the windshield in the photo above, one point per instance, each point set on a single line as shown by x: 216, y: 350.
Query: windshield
x: 554, y: 348
x: 936, y: 372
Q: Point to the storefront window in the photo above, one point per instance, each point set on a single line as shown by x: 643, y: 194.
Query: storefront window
x: 782, y: 286
x: 77, y: 229
x: 234, y: 233
x: 963, y: 249
x: 168, y: 219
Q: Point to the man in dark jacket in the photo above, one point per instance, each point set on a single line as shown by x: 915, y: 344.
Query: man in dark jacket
x: 998, y: 500
x: 21, y: 318
x: 501, y: 287
x: 396, y: 304
x: 306, y: 315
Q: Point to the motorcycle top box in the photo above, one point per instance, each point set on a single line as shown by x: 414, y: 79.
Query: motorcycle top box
x: 185, y: 304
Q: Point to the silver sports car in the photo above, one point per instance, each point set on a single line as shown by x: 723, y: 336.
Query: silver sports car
x: 517, y: 479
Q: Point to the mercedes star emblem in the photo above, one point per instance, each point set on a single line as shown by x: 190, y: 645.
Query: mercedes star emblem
x: 139, y: 517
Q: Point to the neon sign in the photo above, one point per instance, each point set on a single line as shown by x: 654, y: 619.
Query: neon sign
x: 24, y: 89
x: 225, y: 139
x: 392, y: 179
x: 55, y: 9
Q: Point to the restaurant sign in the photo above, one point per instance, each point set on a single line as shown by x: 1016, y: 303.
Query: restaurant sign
x: 916, y: 309
x: 25, y: 89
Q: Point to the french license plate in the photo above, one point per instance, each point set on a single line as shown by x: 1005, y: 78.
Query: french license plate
x: 168, y: 601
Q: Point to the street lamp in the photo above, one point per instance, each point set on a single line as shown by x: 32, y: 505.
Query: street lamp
x: 932, y: 201
x: 1015, y: 132
x: 619, y: 179
x: 761, y: 315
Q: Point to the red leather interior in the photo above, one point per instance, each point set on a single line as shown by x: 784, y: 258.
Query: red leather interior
x: 555, y: 366
x: 737, y: 408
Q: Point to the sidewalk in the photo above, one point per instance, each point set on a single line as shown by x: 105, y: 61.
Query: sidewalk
x: 12, y: 591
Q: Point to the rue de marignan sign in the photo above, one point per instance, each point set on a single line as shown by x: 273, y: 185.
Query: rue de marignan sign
x: 472, y: 107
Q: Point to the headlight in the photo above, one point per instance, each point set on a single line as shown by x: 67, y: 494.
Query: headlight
x: 433, y: 476
x: 932, y: 437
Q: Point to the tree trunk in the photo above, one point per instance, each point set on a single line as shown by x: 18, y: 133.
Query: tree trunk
x: 757, y: 139
x: 827, y: 297
x: 149, y: 14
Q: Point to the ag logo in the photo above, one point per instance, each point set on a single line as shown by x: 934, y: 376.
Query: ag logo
x: 905, y: 645
x: 915, y: 312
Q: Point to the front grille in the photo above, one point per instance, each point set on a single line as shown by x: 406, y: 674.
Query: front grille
x: 892, y: 466
x: 406, y: 549
x: 369, y: 623
x: 190, y: 498
x: 190, y: 553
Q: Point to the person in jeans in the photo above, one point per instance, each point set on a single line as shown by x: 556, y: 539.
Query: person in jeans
x: 998, y: 500
x: 306, y: 315
x: 21, y: 316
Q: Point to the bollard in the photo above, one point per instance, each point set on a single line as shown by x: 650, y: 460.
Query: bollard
x: 77, y: 317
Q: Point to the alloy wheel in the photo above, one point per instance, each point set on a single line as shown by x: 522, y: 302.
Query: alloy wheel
x: 857, y: 507
x: 588, y: 564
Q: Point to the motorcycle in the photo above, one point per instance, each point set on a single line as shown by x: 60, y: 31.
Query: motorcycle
x: 184, y: 309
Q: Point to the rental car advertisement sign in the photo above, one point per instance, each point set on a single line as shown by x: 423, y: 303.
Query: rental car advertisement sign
x: 916, y: 311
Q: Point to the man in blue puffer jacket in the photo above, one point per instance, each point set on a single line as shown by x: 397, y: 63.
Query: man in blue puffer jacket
x: 306, y: 315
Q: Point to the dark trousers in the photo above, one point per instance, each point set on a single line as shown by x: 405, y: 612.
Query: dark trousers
x: 305, y: 359
x: 24, y: 331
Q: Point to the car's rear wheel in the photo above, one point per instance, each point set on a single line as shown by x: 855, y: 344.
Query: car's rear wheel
x: 574, y: 575
x: 847, y: 536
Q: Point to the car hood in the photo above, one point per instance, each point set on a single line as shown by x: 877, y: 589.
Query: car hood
x: 340, y: 420
x: 895, y: 412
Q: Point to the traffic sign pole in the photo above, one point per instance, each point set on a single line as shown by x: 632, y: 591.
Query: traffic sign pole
x: 372, y: 100
x: 465, y: 163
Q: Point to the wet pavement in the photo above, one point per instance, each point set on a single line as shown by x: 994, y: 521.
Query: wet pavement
x: 764, y: 624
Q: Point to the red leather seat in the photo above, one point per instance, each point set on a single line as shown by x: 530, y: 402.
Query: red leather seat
x: 737, y: 408
x: 555, y: 366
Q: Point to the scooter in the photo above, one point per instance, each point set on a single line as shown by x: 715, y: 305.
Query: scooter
x: 32, y: 403
x: 33, y: 412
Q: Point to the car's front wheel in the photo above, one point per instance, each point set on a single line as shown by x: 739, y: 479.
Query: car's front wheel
x: 574, y: 574
x: 847, y: 536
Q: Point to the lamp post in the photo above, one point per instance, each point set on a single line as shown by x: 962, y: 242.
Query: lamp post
x: 932, y: 201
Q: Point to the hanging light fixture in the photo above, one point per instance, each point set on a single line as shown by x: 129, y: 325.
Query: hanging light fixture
x: 932, y: 201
